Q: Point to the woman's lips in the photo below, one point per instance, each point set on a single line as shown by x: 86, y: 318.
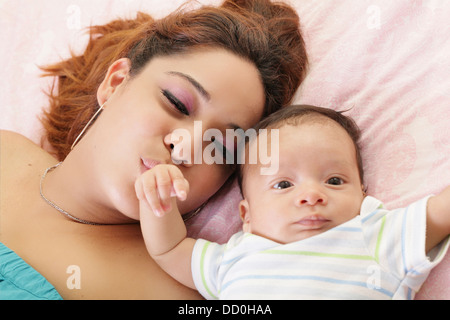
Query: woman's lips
x: 148, y: 164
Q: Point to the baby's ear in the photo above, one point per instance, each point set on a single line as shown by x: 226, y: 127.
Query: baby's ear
x: 244, y: 213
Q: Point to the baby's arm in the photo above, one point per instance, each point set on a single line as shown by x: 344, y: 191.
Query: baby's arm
x: 162, y: 225
x: 438, y: 218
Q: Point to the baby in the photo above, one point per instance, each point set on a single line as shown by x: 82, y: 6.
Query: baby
x: 309, y: 230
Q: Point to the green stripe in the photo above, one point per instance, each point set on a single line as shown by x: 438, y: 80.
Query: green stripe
x: 202, y: 269
x: 320, y: 254
x: 380, y: 235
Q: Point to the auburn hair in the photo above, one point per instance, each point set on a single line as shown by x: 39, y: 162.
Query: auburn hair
x: 263, y: 32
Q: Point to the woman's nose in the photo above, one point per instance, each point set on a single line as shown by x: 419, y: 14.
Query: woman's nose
x: 179, y: 147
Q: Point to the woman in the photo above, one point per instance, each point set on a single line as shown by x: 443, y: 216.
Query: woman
x: 111, y: 119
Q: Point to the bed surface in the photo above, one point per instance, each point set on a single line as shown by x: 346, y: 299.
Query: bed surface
x: 386, y: 60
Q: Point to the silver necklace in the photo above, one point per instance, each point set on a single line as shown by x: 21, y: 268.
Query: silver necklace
x: 64, y: 212
x: 193, y: 213
x: 186, y: 216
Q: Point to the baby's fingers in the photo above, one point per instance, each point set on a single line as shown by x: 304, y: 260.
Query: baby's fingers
x: 180, y: 184
x: 165, y: 185
x: 158, y: 185
x: 147, y: 192
x: 152, y: 195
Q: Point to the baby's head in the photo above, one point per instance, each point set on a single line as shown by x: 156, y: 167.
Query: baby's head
x: 319, y: 181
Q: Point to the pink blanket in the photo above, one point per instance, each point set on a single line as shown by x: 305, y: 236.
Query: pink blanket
x: 387, y: 60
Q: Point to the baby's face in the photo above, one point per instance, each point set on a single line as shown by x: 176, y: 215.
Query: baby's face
x: 316, y: 188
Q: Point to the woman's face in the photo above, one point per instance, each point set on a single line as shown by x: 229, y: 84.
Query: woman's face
x: 194, y: 92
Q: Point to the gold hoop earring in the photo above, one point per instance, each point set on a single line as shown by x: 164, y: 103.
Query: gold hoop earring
x: 87, y: 125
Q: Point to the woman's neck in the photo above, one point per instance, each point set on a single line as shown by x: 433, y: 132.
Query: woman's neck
x: 72, y: 188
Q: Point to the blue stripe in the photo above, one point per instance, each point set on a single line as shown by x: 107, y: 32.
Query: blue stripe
x: 409, y: 295
x: 410, y: 271
x: 363, y: 220
x: 348, y: 229
x: 226, y: 262
x: 315, y: 278
x: 404, y: 239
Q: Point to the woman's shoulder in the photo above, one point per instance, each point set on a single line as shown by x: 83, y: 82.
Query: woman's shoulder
x: 12, y: 143
x: 15, y: 145
x: 18, y: 154
x: 11, y: 139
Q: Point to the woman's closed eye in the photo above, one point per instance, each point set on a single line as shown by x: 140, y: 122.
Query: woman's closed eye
x: 180, y: 106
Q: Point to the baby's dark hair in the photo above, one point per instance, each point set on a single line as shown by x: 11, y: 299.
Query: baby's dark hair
x: 296, y: 114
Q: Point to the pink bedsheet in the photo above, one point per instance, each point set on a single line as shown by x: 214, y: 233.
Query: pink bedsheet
x: 387, y: 60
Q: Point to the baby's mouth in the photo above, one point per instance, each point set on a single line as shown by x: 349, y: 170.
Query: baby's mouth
x: 315, y: 221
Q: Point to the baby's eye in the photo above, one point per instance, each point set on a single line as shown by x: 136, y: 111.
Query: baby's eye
x: 335, y: 181
x: 283, y: 185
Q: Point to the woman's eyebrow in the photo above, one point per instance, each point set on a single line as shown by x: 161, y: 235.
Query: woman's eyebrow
x: 200, y: 89
x: 194, y: 82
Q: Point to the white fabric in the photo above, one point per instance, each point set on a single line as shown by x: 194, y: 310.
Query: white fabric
x: 380, y: 254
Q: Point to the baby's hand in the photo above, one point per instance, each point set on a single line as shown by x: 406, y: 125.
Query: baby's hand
x: 158, y: 185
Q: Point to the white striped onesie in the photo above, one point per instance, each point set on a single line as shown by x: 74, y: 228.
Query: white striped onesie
x: 379, y: 254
